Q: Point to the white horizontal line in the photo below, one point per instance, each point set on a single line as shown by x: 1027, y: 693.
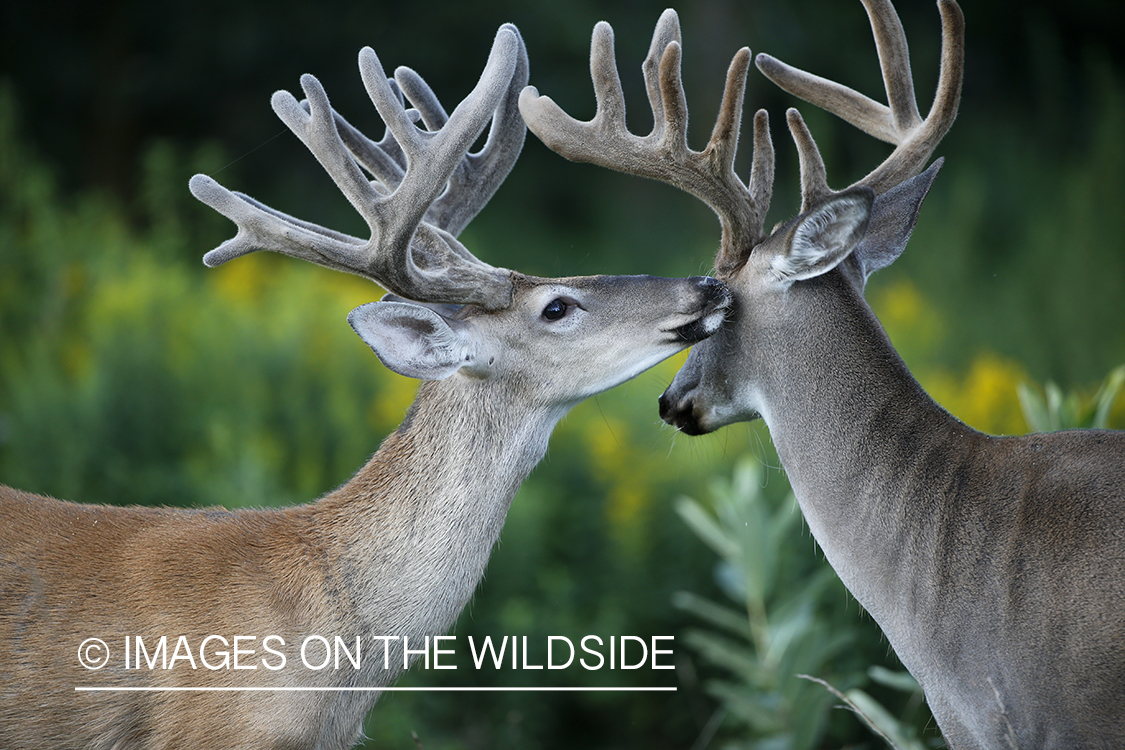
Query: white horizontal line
x: 80, y: 689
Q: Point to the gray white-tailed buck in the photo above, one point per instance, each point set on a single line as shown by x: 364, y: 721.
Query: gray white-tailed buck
x: 395, y: 552
x: 995, y: 565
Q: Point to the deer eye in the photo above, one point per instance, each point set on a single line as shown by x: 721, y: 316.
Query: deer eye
x: 555, y: 309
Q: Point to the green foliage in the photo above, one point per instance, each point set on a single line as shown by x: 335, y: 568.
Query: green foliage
x: 898, y: 733
x: 784, y: 627
x: 1023, y: 255
x: 128, y: 377
x: 786, y: 650
x: 1052, y: 409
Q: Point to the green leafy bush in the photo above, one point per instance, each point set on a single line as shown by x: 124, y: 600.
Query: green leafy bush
x: 1051, y: 409
x: 787, y: 635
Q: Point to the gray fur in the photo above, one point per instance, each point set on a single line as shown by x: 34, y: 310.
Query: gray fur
x: 994, y: 565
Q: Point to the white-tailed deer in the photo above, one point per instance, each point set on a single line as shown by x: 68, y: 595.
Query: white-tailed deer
x: 395, y: 552
x: 995, y: 565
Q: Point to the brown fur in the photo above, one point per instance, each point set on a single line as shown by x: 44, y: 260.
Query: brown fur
x: 397, y: 551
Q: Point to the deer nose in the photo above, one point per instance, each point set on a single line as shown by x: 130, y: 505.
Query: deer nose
x: 680, y: 414
x: 667, y: 408
x: 677, y: 403
x: 713, y: 290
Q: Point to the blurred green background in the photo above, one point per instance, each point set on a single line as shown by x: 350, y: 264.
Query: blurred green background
x: 131, y: 374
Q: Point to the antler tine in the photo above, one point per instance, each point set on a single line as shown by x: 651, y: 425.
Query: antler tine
x: 480, y: 174
x: 899, y: 123
x: 384, y: 159
x: 814, y: 176
x: 414, y: 168
x: 665, y: 92
x: 477, y: 177
x: 664, y: 154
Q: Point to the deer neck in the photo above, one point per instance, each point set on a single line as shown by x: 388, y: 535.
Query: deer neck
x: 863, y: 445
x: 413, y: 529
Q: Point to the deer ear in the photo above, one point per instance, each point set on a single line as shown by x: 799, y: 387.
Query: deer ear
x: 824, y: 236
x: 410, y: 339
x: 893, y: 217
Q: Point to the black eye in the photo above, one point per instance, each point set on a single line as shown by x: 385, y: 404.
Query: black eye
x: 555, y: 309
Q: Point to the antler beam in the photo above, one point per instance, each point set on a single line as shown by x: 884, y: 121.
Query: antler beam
x: 663, y: 154
x: 426, y: 186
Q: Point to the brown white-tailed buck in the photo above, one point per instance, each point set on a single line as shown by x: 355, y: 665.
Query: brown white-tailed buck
x: 995, y: 565
x: 394, y: 553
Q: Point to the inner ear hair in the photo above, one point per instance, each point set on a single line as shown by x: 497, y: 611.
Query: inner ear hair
x: 824, y: 236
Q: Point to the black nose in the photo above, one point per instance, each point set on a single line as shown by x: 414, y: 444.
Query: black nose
x: 679, y: 415
x: 713, y: 290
